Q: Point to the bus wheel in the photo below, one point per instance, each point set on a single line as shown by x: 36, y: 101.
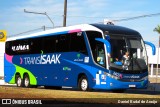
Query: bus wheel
x: 26, y: 81
x: 83, y: 84
x: 19, y: 81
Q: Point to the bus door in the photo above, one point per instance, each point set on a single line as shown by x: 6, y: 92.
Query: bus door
x: 101, y: 60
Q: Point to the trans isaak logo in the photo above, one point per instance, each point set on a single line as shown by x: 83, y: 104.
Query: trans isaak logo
x: 42, y: 59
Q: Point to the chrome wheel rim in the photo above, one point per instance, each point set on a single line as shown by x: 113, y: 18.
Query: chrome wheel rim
x: 19, y: 81
x: 26, y: 82
x: 84, y: 84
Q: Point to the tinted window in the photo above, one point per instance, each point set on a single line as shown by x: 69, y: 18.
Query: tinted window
x: 25, y: 46
x: 49, y: 44
x: 99, y: 55
x: 78, y: 43
x: 96, y: 47
x: 62, y: 43
x: 17, y: 47
x: 135, y: 43
x: 7, y: 48
x: 35, y: 45
x: 73, y: 42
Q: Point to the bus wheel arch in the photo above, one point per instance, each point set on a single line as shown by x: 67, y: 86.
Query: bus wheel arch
x: 83, y: 84
x: 18, y: 80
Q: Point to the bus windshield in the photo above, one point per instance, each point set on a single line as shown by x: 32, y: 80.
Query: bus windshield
x: 128, y: 54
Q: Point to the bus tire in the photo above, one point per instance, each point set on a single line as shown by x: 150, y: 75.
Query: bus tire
x: 83, y: 83
x: 26, y: 81
x: 19, y: 81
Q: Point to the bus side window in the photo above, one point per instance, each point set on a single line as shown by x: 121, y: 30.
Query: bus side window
x: 100, y: 54
x: 77, y: 43
x: 18, y: 47
x: 49, y: 44
x: 62, y: 43
x: 96, y: 47
x: 8, y: 48
x: 35, y: 45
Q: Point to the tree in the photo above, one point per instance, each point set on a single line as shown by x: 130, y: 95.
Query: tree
x: 157, y: 29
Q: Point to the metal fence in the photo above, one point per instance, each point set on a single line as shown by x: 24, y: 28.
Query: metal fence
x: 153, y: 72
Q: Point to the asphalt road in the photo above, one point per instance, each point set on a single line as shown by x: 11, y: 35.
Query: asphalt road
x: 153, y: 86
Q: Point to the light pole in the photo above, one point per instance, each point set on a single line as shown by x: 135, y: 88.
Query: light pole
x: 41, y: 14
x: 65, y: 13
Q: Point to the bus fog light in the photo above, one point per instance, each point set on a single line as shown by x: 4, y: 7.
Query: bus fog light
x: 111, y: 84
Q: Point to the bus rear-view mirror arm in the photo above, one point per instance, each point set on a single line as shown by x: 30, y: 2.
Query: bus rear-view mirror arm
x: 151, y: 45
x: 108, y: 45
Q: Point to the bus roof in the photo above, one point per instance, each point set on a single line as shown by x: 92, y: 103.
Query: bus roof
x: 60, y: 30
x: 113, y: 29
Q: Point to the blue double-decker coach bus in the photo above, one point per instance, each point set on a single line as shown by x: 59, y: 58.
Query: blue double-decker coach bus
x: 86, y: 56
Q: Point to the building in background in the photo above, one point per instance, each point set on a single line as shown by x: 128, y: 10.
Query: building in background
x: 152, y: 59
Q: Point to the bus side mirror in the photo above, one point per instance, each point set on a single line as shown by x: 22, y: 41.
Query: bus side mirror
x: 108, y: 45
x: 151, y: 45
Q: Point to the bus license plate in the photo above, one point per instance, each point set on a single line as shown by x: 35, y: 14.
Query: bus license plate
x: 132, y: 86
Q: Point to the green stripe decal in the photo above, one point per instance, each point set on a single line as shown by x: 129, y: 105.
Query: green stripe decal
x: 21, y: 70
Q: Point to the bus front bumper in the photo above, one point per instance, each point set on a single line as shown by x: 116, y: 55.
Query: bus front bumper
x: 113, y: 84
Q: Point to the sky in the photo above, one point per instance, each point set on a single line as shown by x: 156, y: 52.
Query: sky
x: 14, y: 20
